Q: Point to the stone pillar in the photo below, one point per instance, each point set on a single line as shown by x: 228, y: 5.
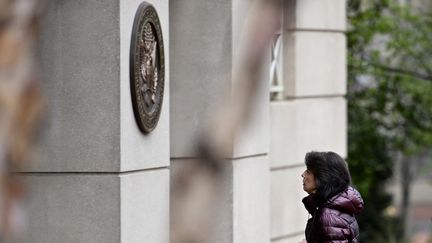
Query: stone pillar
x: 204, y: 41
x: 97, y: 178
x: 312, y: 115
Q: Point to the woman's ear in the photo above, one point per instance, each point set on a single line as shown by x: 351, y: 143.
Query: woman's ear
x: 317, y: 183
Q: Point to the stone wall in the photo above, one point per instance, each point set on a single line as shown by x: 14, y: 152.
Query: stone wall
x: 312, y: 113
x: 97, y: 178
x: 204, y: 42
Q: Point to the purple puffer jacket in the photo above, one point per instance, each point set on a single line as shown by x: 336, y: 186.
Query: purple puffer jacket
x: 334, y: 221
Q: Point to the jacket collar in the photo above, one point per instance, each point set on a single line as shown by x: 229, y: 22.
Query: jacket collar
x: 310, y: 203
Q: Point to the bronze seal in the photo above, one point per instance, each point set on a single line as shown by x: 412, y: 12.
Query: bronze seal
x: 147, y: 67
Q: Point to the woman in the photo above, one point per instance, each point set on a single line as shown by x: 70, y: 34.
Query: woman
x: 331, y: 202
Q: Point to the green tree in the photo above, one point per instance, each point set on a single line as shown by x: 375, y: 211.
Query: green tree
x: 389, y: 104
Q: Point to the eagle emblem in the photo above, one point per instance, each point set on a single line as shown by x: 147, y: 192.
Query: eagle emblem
x: 147, y: 67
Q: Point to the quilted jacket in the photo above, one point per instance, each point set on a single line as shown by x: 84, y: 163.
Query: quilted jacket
x: 334, y: 221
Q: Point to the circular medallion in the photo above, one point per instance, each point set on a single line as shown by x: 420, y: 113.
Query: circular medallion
x: 147, y: 67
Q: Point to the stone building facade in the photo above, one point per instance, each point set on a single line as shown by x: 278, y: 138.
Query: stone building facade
x: 97, y: 178
x: 312, y: 112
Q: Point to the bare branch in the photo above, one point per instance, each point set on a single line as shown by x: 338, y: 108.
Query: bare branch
x: 403, y: 72
x: 397, y: 70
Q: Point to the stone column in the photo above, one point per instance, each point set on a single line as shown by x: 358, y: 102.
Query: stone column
x: 204, y: 43
x: 97, y: 178
x: 312, y: 113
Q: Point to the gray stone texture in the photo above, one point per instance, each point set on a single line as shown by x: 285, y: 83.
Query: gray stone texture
x: 201, y: 66
x: 90, y: 124
x: 145, y: 206
x: 132, y: 207
x: 290, y: 238
x: 80, y: 67
x: 302, y: 125
x: 222, y: 223
x: 251, y: 200
x: 288, y: 215
x: 314, y: 64
x: 90, y: 133
x: 204, y: 40
x: 243, y: 210
x: 253, y: 137
x: 140, y: 151
x: 91, y: 128
x: 204, y: 43
x: 315, y: 14
x: 73, y: 208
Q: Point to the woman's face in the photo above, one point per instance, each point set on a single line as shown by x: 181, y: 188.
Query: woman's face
x: 309, y: 184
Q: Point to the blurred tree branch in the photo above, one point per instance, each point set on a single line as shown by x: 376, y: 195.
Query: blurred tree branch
x: 396, y: 70
x: 20, y: 105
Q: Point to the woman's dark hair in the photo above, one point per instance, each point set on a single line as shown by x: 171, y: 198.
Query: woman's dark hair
x: 331, y: 174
